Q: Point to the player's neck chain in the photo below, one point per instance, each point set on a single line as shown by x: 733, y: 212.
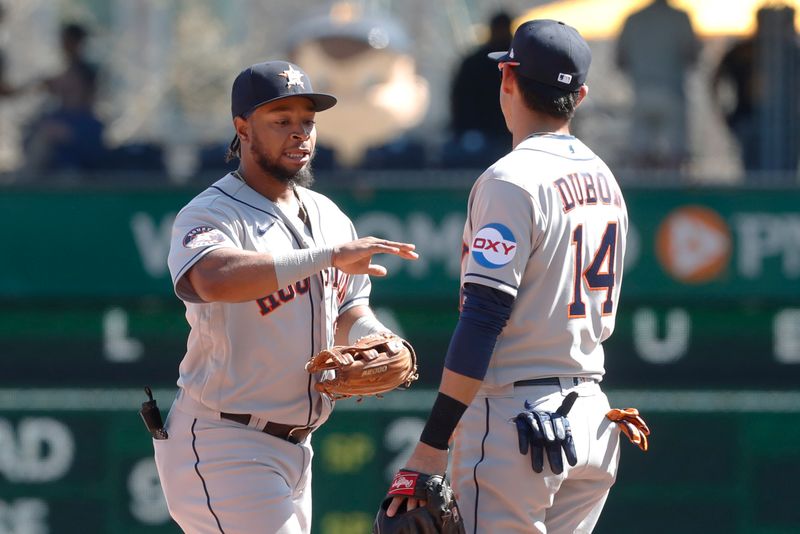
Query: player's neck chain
x: 301, y: 208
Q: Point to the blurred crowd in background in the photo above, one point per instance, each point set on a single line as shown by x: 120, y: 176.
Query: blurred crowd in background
x: 113, y: 91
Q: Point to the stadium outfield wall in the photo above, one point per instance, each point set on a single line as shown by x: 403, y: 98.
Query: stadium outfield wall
x: 707, y: 345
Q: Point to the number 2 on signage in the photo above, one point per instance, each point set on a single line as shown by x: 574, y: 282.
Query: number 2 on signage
x: 595, y: 279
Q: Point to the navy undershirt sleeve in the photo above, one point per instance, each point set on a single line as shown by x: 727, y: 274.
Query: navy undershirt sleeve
x: 484, y: 314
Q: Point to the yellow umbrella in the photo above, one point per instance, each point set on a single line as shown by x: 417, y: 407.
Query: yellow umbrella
x: 603, y: 19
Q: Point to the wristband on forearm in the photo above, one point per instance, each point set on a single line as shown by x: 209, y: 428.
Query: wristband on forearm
x: 364, y: 326
x: 442, y: 421
x: 300, y: 264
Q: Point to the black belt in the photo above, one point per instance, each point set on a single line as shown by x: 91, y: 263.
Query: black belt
x: 538, y: 382
x: 290, y: 433
x: 552, y: 381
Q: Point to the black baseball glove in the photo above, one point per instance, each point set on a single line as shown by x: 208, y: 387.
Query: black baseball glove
x: 547, y: 431
x: 440, y: 514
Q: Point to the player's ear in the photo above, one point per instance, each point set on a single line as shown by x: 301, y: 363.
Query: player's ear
x: 242, y: 128
x: 509, y: 80
x: 582, y: 92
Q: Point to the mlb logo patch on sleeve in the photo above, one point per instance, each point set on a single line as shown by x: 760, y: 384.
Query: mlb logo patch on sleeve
x: 202, y: 236
x: 493, y: 246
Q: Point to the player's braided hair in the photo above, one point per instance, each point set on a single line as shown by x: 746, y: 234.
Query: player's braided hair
x: 234, y: 150
x: 547, y: 100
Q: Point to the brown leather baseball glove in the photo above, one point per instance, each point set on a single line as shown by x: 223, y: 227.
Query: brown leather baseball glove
x: 373, y: 365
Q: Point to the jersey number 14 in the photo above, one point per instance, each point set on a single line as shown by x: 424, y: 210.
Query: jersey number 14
x: 596, y: 278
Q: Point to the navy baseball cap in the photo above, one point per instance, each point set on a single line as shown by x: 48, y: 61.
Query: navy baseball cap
x: 266, y: 82
x: 550, y: 53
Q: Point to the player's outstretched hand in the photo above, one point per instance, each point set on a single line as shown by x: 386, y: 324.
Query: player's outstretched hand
x: 355, y: 257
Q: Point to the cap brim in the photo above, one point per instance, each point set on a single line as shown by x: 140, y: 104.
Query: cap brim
x: 321, y: 101
x: 499, y: 56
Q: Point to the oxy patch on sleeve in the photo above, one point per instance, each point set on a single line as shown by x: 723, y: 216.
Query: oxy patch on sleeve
x: 202, y: 236
x: 494, y: 246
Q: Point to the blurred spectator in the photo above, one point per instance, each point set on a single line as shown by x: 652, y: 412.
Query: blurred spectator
x: 763, y: 72
x: 364, y: 59
x: 5, y: 88
x: 479, y: 133
x: 67, y: 136
x: 655, y: 49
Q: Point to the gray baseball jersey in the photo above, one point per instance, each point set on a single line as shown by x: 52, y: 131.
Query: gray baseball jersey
x: 248, y: 357
x: 547, y: 224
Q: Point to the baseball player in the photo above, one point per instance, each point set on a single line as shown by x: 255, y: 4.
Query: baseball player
x: 543, y: 251
x: 270, y: 273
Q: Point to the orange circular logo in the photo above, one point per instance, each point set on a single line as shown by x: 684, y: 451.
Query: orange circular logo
x: 693, y: 244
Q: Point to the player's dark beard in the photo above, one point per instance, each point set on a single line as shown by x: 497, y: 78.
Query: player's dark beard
x: 304, y: 177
